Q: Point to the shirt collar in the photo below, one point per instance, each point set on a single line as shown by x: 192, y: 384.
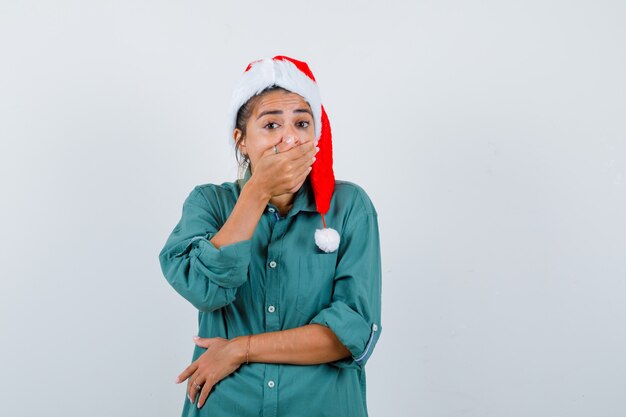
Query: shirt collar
x: 304, y: 199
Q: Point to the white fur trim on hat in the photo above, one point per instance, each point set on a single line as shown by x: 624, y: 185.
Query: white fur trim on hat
x: 283, y: 73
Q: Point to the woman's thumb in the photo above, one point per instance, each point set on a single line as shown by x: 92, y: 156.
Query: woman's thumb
x: 204, y: 342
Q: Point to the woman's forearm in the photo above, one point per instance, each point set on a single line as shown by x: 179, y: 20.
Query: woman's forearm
x: 244, y: 217
x: 306, y: 345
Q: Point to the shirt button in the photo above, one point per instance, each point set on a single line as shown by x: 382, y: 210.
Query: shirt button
x: 375, y: 327
x: 270, y: 384
x: 271, y: 209
x: 272, y: 264
x: 271, y: 309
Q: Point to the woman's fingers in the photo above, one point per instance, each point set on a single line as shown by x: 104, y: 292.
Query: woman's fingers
x: 309, y: 150
x: 303, y: 165
x: 187, y: 372
x: 304, y: 149
x: 204, y: 393
x: 192, y: 386
x: 288, y: 143
x: 213, y: 365
x: 288, y: 169
x: 301, y: 180
x: 302, y: 173
x: 283, y: 146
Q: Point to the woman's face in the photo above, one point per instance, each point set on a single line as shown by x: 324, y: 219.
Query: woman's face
x: 276, y: 115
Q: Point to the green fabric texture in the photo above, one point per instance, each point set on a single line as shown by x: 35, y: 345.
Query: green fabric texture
x: 279, y: 279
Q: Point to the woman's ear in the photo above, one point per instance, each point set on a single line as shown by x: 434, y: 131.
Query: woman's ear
x: 237, y: 133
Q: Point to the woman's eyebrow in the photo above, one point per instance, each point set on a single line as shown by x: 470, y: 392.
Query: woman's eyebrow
x: 303, y: 111
x: 281, y: 112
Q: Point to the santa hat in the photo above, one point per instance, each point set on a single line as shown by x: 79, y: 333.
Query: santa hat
x: 295, y: 76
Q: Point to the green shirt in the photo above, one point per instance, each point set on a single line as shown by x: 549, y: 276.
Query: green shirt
x: 279, y: 279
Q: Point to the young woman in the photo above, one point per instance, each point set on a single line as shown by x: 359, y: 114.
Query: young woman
x: 288, y: 312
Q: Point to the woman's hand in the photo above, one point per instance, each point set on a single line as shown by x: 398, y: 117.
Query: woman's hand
x: 220, y: 360
x: 285, y: 171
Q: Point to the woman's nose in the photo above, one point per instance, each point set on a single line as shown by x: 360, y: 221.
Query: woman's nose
x: 289, y: 133
x: 289, y: 130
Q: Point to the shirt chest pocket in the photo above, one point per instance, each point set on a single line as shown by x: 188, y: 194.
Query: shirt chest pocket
x: 316, y: 275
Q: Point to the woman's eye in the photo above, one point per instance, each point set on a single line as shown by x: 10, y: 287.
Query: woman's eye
x: 272, y: 124
x: 304, y: 124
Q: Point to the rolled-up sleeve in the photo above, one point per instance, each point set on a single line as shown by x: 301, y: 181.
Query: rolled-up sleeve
x: 206, y: 276
x: 354, y: 313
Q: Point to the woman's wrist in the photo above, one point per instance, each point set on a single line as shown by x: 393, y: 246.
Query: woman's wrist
x: 240, y: 348
x: 256, y: 192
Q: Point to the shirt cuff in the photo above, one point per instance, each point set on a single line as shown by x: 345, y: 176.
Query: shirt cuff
x: 353, y: 330
x: 226, y: 266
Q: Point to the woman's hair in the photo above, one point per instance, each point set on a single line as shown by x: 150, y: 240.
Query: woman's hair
x: 243, y: 114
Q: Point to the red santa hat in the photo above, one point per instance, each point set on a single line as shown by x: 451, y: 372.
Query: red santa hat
x: 295, y: 76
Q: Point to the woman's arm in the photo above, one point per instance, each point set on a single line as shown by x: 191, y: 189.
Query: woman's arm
x: 206, y: 262
x: 273, y: 173
x: 306, y: 345
x: 245, y: 216
x: 206, y: 276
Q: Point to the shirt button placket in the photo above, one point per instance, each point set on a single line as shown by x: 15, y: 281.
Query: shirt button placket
x: 272, y: 316
x: 272, y: 322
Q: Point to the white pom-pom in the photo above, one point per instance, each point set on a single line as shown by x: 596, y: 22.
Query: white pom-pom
x: 327, y: 239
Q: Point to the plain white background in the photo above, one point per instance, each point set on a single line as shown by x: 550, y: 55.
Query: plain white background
x: 490, y: 136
